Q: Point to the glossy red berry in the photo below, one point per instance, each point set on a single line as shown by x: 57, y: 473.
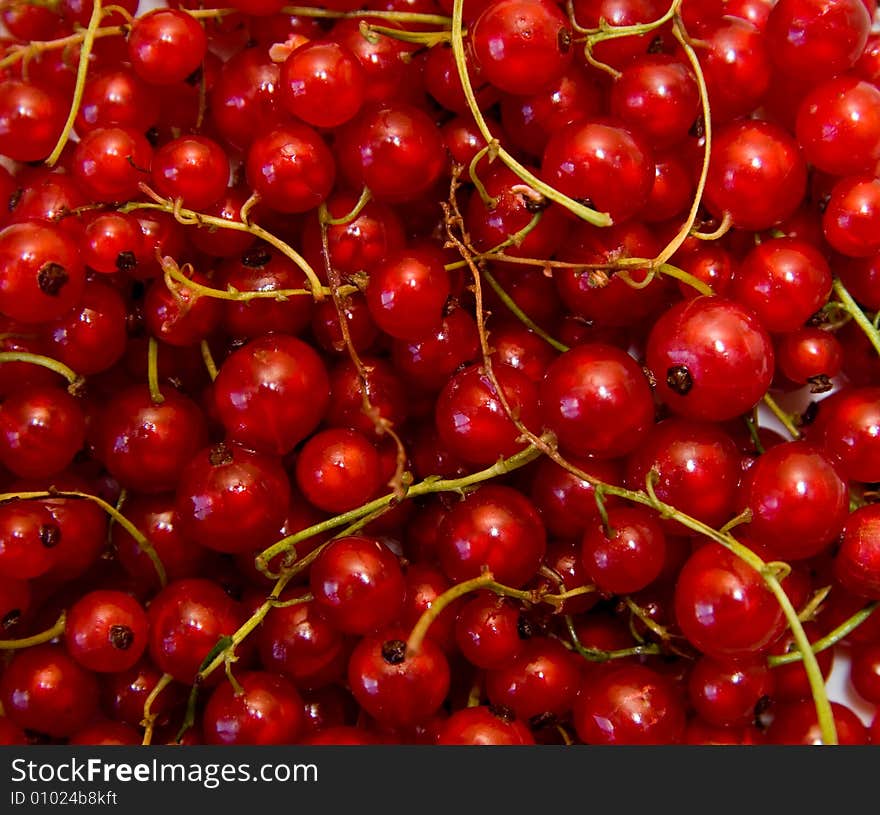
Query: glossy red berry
x: 494, y: 528
x: 357, y: 584
x: 520, y: 46
x: 711, y: 358
x: 798, y: 501
x: 41, y: 430
x: 41, y: 272
x: 630, y: 704
x: 757, y: 175
x: 627, y: 556
x: 31, y: 120
x: 471, y: 420
x: 265, y: 709
x: 723, y: 606
x: 145, y: 445
x: 43, y: 689
x: 597, y: 401
x: 338, y: 470
x: 602, y: 162
x: 797, y: 723
x: 728, y: 694
x: 490, y: 630
x: 857, y: 561
x: 322, y: 83
x: 814, y: 39
x: 194, y: 169
x: 28, y: 537
x: 290, y: 168
x: 784, y: 281
x: 187, y: 619
x: 106, y: 631
x: 110, y: 163
x: 166, y: 45
x: 394, y: 686
x: 407, y: 293
x: 272, y: 393
x: 851, y: 218
x: 483, y: 725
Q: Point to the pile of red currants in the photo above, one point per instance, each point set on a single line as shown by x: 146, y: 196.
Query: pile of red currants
x: 473, y: 372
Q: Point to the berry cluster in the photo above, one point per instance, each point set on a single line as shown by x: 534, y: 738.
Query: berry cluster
x: 439, y: 371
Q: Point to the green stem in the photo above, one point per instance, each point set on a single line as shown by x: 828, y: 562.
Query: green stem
x: 786, y: 420
x: 524, y: 318
x: 365, y: 198
x: 153, y: 371
x: 74, y: 380
x: 600, y: 655
x: 852, y: 308
x: 143, y: 544
x: 585, y: 213
x: 426, y: 487
x: 208, y: 359
x: 149, y: 720
x: 680, y: 274
x: 426, y: 38
x: 37, y: 639
x: 80, y: 84
x: 397, y: 16
x: 829, y: 640
x: 189, y: 217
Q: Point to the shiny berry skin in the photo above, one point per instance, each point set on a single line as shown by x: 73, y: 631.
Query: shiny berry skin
x: 92, y: 337
x: 45, y: 690
x: 271, y: 393
x: 41, y: 272
x: 810, y: 356
x: 244, y: 100
x: 181, y: 317
x: 490, y: 630
x: 723, y: 607
x: 756, y: 174
x: 155, y: 517
x: 617, y: 52
x: 791, y: 682
x: 28, y: 537
x: 15, y: 603
x: 263, y: 269
x: 192, y: 168
x: 358, y: 244
x: 145, y: 445
x: 630, y: 704
x: 784, y: 281
x: 815, y: 39
x: 232, y: 500
x: 357, y: 584
x: 166, y: 45
x: 737, y: 67
x: 109, y: 163
x: 299, y: 642
x: 496, y: 528
x: 41, y: 430
x: 857, y: 562
x: 726, y: 694
x: 838, y: 126
x: 603, y: 161
x: 117, y: 97
x: 597, y: 401
x: 697, y: 466
x: 338, y: 470
x: 322, y: 83
x: 851, y: 222
x: 849, y: 430
x: 798, y: 500
x: 398, y: 688
x: 31, y: 120
x: 106, y: 631
x: 483, y: 725
x: 430, y: 362
x: 268, y: 710
x: 521, y: 46
x: 627, y: 558
x: 471, y: 420
x: 407, y: 292
x: 394, y: 150
x: 187, y: 618
x: 657, y: 94
x: 712, y: 359
x: 290, y: 168
x: 106, y: 734
x: 566, y: 503
x: 797, y: 723
x: 384, y: 388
